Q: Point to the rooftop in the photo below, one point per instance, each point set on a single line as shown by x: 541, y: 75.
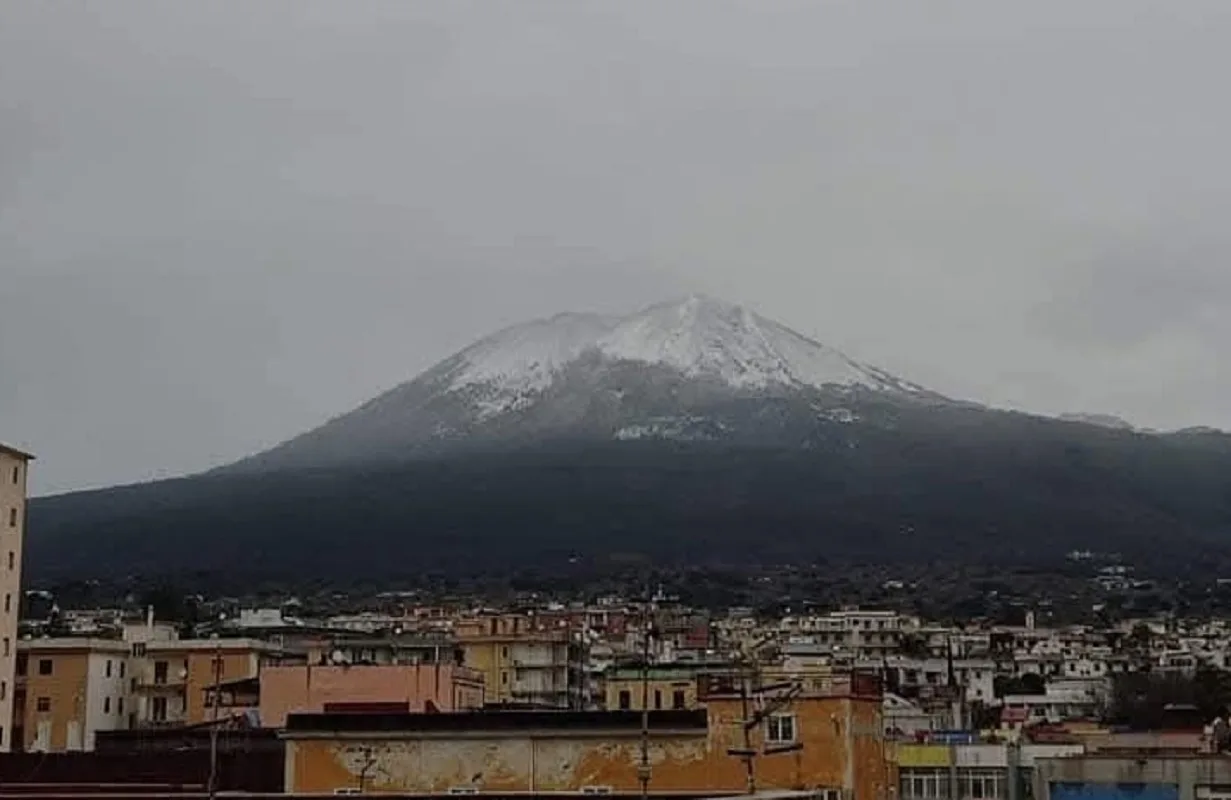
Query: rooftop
x: 13, y: 451
x: 480, y: 722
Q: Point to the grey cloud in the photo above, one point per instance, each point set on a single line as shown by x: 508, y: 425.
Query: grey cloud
x: 221, y: 223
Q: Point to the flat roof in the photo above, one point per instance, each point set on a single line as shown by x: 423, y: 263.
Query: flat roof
x: 693, y: 720
x: 73, y: 644
x: 13, y: 451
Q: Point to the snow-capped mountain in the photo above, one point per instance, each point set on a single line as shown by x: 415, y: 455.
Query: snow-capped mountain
x: 696, y: 368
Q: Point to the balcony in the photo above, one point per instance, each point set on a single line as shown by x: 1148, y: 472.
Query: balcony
x: 151, y: 683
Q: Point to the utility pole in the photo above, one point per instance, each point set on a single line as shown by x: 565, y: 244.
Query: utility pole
x: 643, y: 769
x: 781, y: 695
x: 213, y: 727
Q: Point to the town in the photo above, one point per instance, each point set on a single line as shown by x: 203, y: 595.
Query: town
x: 614, y: 696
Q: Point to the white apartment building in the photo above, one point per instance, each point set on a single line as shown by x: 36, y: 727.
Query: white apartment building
x: 14, y: 466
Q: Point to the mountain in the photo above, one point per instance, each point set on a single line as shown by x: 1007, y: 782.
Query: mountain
x: 692, y: 369
x: 694, y: 432
x: 1102, y: 420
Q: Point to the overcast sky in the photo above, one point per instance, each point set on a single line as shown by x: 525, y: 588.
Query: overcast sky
x: 223, y: 222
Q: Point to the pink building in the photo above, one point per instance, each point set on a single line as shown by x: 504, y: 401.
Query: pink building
x: 324, y: 688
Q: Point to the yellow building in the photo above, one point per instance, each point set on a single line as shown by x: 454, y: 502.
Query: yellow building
x: 523, y: 660
x: 14, y: 465
x: 67, y: 689
x: 663, y: 686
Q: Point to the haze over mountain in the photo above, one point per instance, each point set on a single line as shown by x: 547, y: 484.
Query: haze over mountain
x: 689, y: 432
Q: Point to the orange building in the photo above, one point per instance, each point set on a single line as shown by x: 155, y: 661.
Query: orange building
x: 315, y: 688
x: 67, y: 689
x: 173, y: 680
x: 828, y: 736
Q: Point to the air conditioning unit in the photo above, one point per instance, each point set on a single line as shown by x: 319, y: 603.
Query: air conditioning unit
x: 463, y: 790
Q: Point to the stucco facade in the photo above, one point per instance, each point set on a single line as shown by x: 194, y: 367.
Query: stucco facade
x: 839, y: 740
x: 14, y: 468
x: 420, y: 687
x: 70, y: 689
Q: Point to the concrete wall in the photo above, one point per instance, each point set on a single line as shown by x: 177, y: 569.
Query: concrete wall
x: 13, y: 470
x: 1126, y: 778
x: 841, y: 748
x: 307, y: 689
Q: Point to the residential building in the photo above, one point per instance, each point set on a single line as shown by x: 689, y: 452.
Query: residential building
x: 663, y: 686
x: 14, y: 468
x: 524, y: 661
x: 314, y: 688
x: 1140, y: 775
x: 67, y: 690
x: 385, y: 650
x: 827, y: 737
x: 975, y: 771
x: 173, y: 679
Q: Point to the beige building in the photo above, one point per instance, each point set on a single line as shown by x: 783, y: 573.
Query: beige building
x: 13, y: 467
x: 173, y: 680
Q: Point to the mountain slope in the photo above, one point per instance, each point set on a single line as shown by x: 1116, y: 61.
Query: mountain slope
x: 691, y: 369
x: 971, y: 487
x: 693, y: 432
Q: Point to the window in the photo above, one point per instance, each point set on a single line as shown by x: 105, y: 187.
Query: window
x: 504, y: 678
x: 626, y: 700
x: 12, y: 518
x: 12, y: 559
x: 119, y: 706
x: 924, y: 784
x: 6, y: 646
x: 8, y: 603
x: 23, y: 664
x: 122, y: 665
x: 658, y: 699
x: 106, y: 705
x: 677, y: 699
x: 139, y: 649
x: 108, y: 669
x: 16, y: 475
x: 504, y: 653
x: 159, y: 710
x: 780, y: 729
x: 160, y: 672
x: 4, y: 690
x: 43, y: 705
x: 44, y: 666
x: 981, y: 784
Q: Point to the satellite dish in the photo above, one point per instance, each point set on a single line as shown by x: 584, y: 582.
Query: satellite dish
x: 183, y: 673
x: 337, y: 657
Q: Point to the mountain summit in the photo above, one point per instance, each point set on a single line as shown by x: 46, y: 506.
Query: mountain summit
x: 688, y: 369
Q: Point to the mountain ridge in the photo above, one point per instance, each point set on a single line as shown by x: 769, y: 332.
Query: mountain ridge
x: 687, y: 368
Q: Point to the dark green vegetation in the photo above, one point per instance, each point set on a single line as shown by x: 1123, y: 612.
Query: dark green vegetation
x: 949, y: 484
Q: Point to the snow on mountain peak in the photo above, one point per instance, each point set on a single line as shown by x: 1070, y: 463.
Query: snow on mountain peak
x: 698, y: 336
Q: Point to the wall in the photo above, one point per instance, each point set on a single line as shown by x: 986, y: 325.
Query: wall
x: 1148, y: 777
x: 841, y: 748
x: 12, y: 499
x: 65, y: 688
x: 108, y: 701
x: 286, y: 690
x: 236, y: 664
